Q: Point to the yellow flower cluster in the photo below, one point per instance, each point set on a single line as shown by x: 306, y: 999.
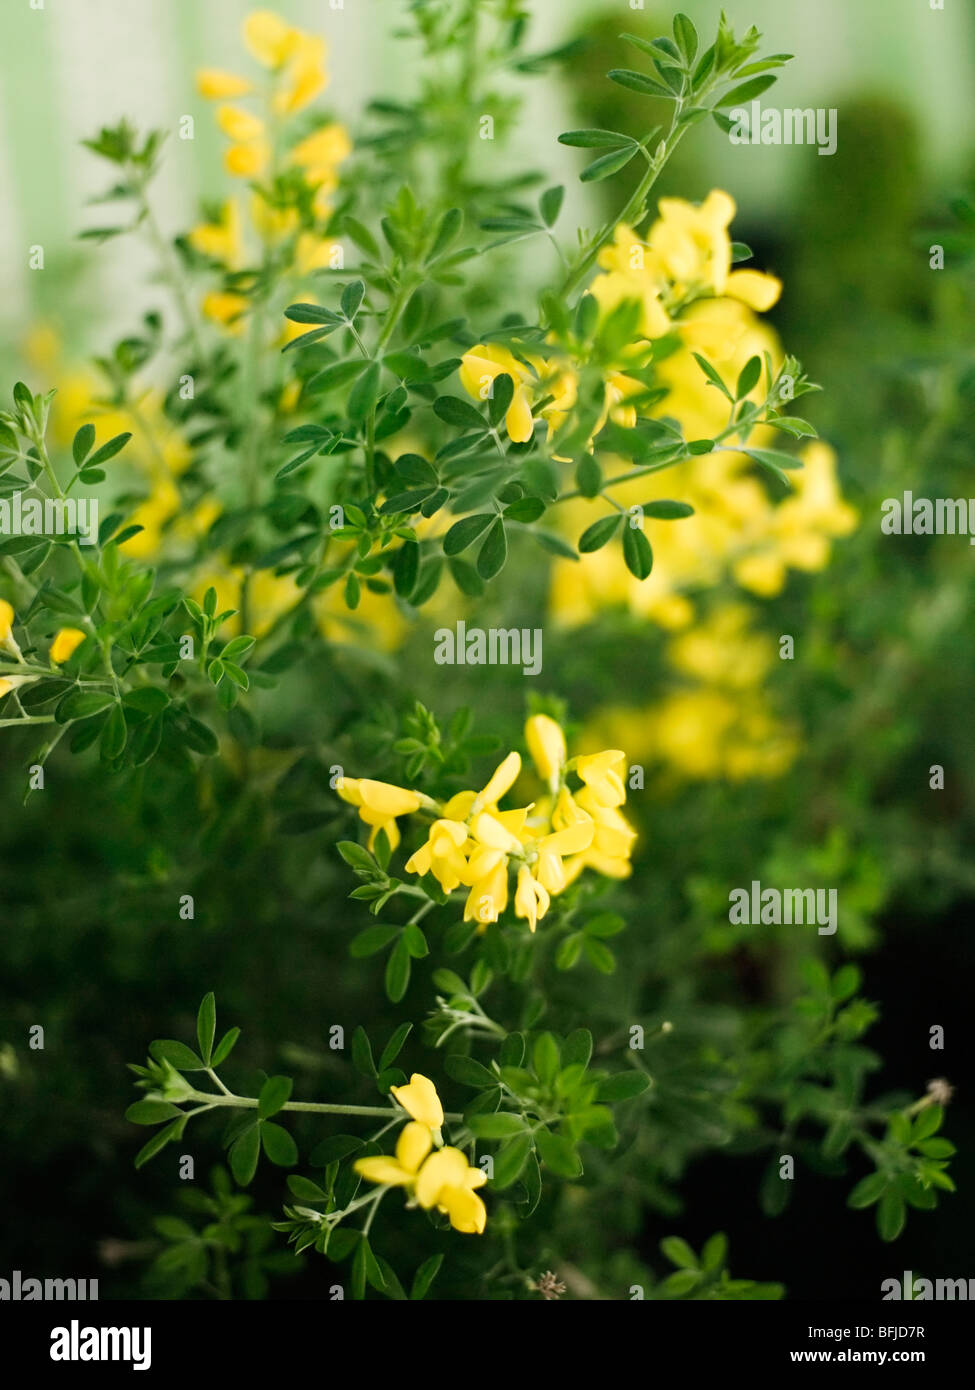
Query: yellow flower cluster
x: 296, y: 61
x: 444, y: 1179
x: 681, y: 277
x: 719, y: 726
x: 686, y: 257
x: 473, y: 844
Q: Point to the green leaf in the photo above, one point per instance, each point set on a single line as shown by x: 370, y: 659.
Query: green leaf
x: 545, y: 1058
x: 450, y: 225
x: 333, y: 1150
x: 81, y: 443
x: 502, y: 1125
x: 594, y: 537
x: 550, y: 204
x: 510, y: 1161
x: 206, y: 1026
x: 393, y: 1048
x: 224, y: 1047
x: 712, y: 375
x: 177, y: 1054
x: 372, y: 940
x: 494, y: 552
x: 274, y: 1095
x: 469, y: 1072
x: 278, y: 1144
x: 774, y: 462
x: 244, y: 1154
x: 891, y: 1215
x: 928, y: 1122
x: 151, y: 1112
x: 623, y: 1086
x: 639, y: 82
x: 352, y: 297
x: 159, y: 1141
x: 607, y: 164
x: 665, y: 510
x: 109, y: 450
x: 466, y: 531
x: 398, y: 971
x: 114, y: 735
x: 577, y: 1048
x: 637, y: 552
x: 362, y: 1053
x: 747, y: 92
x: 338, y: 374
x: 748, y: 378
x: 453, y: 411
x: 82, y: 704
x: 679, y: 1253
x: 425, y: 1276
x: 558, y: 1154
x: 595, y: 139
x: 686, y: 36
x: 364, y: 393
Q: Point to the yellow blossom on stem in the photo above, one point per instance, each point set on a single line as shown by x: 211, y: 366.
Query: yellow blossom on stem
x: 6, y: 620
x: 379, y: 804
x: 531, y: 899
x: 447, y: 1181
x: 546, y: 744
x: 412, y: 1147
x: 217, y: 85
x: 481, y: 365
x: 420, y: 1101
x: 66, y: 641
x: 442, y: 855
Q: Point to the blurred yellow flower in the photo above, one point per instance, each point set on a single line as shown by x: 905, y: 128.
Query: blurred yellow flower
x: 66, y: 641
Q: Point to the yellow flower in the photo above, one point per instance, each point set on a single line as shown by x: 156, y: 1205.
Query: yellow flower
x: 217, y: 85
x: 693, y: 242
x: 420, y: 1101
x: 66, y: 641
x: 549, y: 869
x: 531, y: 899
x: 225, y: 308
x: 221, y: 241
x: 446, y: 1181
x: 442, y: 855
x: 546, y: 744
x: 239, y: 125
x: 6, y: 619
x: 270, y: 39
x: 488, y: 897
x: 379, y: 804
x: 603, y: 775
x: 480, y: 366
x: 247, y: 161
x: 305, y: 77
x: 501, y: 780
x: 632, y: 272
x: 412, y: 1147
